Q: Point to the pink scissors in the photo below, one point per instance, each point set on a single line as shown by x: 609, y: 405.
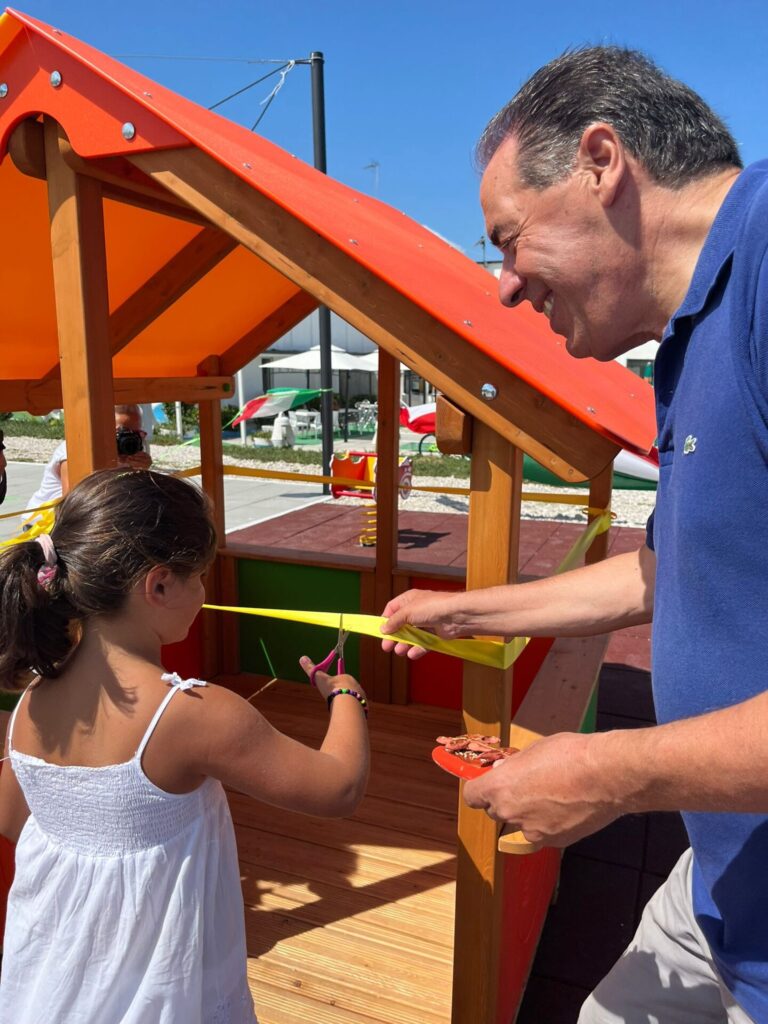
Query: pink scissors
x: 337, y: 652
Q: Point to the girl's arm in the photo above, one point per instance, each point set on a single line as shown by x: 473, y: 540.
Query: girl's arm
x: 239, y: 747
x: 13, y: 807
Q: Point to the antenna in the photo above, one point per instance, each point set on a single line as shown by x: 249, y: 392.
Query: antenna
x: 374, y: 166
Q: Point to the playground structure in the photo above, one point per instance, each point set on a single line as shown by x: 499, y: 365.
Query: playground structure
x: 358, y: 471
x: 131, y: 214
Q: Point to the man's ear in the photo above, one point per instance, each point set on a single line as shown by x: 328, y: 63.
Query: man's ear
x: 156, y: 585
x: 602, y: 157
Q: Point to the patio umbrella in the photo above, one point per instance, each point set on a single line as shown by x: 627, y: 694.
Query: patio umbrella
x: 309, y: 360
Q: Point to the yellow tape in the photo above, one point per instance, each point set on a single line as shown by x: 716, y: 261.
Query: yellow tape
x: 595, y: 528
x: 492, y: 653
x: 43, y: 523
x: 553, y: 498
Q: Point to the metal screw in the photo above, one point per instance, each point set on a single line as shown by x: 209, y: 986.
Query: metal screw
x: 467, y: 323
x: 55, y: 79
x: 3, y: 90
x: 247, y: 166
x: 128, y: 131
x: 353, y: 241
x: 148, y: 94
x: 488, y: 392
x: 591, y: 408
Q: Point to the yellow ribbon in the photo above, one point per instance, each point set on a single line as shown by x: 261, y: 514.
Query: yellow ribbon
x: 493, y: 653
x: 43, y: 523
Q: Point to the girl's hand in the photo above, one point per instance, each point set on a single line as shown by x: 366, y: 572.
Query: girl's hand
x: 325, y: 683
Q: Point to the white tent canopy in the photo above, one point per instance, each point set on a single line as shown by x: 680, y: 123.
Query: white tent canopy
x: 310, y: 360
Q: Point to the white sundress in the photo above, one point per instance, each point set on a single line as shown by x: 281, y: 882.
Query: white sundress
x: 126, y: 907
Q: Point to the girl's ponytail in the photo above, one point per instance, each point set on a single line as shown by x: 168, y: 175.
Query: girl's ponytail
x: 109, y: 531
x: 36, y: 613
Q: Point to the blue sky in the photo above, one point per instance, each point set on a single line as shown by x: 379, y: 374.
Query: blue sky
x: 411, y: 84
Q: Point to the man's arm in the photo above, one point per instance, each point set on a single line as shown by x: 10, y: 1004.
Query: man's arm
x: 608, y: 595
x: 567, y: 786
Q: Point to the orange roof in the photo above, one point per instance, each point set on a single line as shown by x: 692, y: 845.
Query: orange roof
x: 97, y: 95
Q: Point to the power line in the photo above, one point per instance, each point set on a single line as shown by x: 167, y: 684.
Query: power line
x: 234, y: 60
x: 245, y: 88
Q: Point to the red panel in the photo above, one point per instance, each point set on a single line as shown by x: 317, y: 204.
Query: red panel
x: 435, y: 679
x: 528, y: 886
x: 186, y: 657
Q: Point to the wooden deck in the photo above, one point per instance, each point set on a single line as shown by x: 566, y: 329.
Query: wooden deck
x: 351, y: 921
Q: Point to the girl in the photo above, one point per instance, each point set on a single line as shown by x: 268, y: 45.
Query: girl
x: 126, y: 906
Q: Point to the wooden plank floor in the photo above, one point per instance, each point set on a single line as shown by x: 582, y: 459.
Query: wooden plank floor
x: 351, y: 921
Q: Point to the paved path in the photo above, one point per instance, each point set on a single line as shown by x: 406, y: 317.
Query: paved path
x: 246, y: 501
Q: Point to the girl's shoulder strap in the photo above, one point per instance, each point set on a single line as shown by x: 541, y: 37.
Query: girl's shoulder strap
x: 12, y: 720
x: 176, y: 683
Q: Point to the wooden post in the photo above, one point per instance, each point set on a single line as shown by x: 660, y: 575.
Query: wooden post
x: 82, y: 312
x: 388, y: 451
x: 494, y: 532
x: 212, y: 466
x: 600, y: 491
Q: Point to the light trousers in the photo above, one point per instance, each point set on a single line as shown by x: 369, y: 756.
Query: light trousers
x: 667, y: 975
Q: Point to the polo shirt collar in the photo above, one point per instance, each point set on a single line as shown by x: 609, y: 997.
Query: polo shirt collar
x: 720, y: 242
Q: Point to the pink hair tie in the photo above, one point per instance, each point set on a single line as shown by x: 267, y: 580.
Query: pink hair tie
x: 47, y: 572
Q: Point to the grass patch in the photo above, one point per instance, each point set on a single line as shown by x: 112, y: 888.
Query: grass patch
x: 13, y: 427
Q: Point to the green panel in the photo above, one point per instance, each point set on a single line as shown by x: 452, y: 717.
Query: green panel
x: 589, y: 722
x: 276, y: 585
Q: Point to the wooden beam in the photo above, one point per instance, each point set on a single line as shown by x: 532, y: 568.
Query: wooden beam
x: 82, y: 313
x: 453, y: 432
x: 492, y: 553
x: 13, y: 395
x: 120, y: 181
x: 212, y: 464
x: 387, y: 452
x: 600, y: 493
x: 519, y: 413
x: 26, y: 148
x: 40, y: 397
x: 191, y: 263
x: 266, y: 333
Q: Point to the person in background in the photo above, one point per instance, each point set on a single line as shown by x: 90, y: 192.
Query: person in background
x: 128, y: 433
x: 126, y: 906
x: 622, y: 211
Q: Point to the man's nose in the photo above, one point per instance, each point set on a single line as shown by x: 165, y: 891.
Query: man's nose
x: 511, y: 286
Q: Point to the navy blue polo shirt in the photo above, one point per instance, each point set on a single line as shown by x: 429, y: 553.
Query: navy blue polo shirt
x: 710, y: 535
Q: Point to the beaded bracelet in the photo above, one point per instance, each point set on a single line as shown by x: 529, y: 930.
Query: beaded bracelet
x: 345, y: 690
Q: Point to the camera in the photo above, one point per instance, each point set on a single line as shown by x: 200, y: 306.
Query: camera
x: 129, y: 442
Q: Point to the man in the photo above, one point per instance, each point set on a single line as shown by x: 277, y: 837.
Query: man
x: 618, y: 201
x: 55, y: 482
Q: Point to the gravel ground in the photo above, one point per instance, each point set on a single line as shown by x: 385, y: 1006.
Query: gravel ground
x: 632, y: 508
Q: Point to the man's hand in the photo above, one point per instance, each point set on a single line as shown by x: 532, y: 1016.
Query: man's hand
x: 429, y: 609
x: 552, y: 791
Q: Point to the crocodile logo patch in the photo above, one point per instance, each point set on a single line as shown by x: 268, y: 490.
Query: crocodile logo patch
x: 690, y: 445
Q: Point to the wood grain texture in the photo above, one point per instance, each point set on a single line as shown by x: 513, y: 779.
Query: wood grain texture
x: 350, y: 921
x: 82, y: 313
x: 453, y: 432
x: 492, y: 558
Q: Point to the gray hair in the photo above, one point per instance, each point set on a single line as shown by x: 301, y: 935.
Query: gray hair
x: 662, y: 122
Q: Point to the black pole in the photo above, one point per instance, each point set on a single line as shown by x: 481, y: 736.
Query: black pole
x: 317, y: 62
